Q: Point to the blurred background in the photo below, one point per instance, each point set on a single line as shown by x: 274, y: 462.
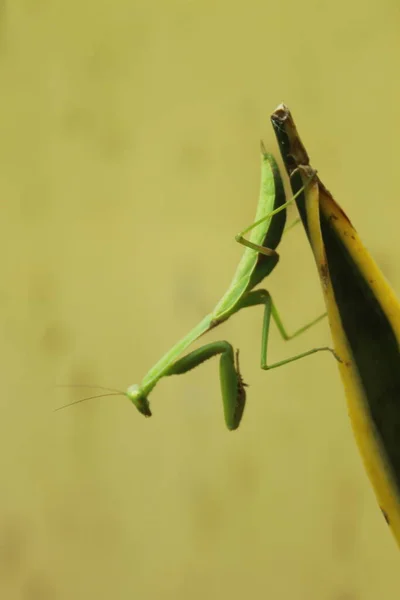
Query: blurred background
x: 129, y: 159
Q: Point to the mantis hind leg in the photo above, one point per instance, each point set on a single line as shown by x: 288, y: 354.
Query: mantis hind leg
x: 263, y: 249
x: 232, y: 384
x: 291, y: 225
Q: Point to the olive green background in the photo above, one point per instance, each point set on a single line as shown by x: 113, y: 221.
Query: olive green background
x: 129, y: 158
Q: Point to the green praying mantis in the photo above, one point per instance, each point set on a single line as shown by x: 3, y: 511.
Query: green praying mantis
x: 266, y: 233
x: 259, y: 259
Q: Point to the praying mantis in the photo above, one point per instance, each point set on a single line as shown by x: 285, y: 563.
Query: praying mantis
x: 267, y: 231
x: 254, y: 266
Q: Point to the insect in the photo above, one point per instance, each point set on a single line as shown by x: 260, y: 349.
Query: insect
x: 267, y: 232
x: 364, y: 317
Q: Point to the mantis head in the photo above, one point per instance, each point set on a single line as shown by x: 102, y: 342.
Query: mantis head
x: 137, y: 396
x: 135, y: 393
